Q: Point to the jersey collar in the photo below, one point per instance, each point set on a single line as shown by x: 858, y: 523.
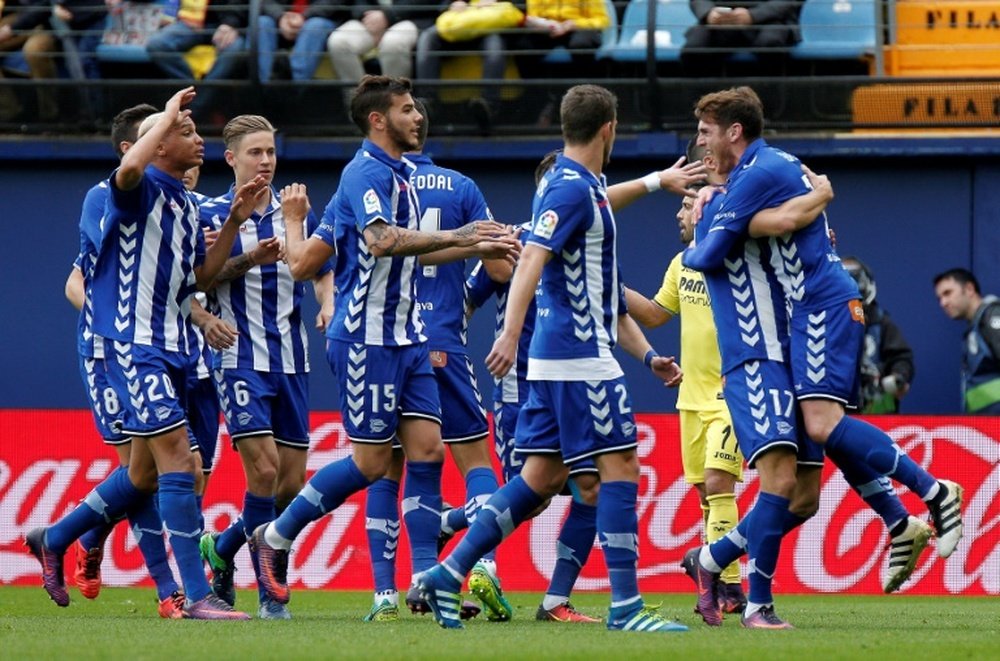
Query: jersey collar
x: 376, y: 152
x: 563, y: 161
x: 165, y: 179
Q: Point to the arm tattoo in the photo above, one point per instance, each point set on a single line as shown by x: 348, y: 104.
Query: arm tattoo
x: 234, y: 268
x: 399, y: 242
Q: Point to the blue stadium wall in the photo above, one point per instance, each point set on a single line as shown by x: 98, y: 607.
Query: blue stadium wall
x: 909, y: 213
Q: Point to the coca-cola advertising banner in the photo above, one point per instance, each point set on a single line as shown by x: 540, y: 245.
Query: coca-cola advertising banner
x: 49, y: 460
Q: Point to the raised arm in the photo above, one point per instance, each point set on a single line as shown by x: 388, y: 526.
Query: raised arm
x: 678, y: 179
x: 244, y: 202
x: 134, y: 162
x: 305, y: 257
x: 796, y: 213
x: 385, y: 240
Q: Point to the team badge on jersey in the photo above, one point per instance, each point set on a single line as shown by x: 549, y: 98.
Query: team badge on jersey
x: 546, y: 224
x: 372, y: 205
x: 857, y: 311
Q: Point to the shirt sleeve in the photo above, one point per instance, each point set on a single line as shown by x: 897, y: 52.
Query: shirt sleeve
x: 667, y: 297
x: 312, y: 227
x: 369, y: 192
x: 560, y: 213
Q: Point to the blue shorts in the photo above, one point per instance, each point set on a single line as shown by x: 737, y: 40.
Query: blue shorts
x: 150, y: 383
x: 765, y: 412
x: 459, y: 395
x: 104, y: 402
x: 378, y: 385
x: 203, y: 419
x: 826, y: 349
x: 265, y: 404
x: 505, y: 416
x: 577, y: 419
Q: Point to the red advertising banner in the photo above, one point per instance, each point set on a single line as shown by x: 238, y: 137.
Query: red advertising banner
x: 49, y: 460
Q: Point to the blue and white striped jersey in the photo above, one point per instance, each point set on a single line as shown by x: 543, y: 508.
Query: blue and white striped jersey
x: 265, y: 303
x: 756, y: 284
x: 376, y: 297
x: 144, y: 276
x: 91, y: 217
x: 578, y: 300
x: 512, y: 388
x: 448, y: 200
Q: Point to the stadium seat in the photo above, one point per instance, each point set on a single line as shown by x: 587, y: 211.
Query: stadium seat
x: 836, y: 30
x: 673, y: 18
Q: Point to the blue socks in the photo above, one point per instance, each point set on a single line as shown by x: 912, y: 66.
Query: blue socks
x: 179, y: 510
x: 95, y: 537
x: 382, y: 527
x: 501, y: 514
x: 456, y: 519
x: 480, y: 484
x: 576, y: 539
x: 106, y: 503
x: 859, y: 442
x: 770, y: 519
x: 422, y: 511
x: 875, y: 489
x: 326, y: 491
x: 147, y: 527
x: 618, y: 532
x: 257, y: 510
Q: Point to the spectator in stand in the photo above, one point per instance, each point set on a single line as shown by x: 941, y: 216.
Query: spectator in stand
x: 959, y: 296
x: 767, y: 28
x: 390, y: 26
x: 32, y: 29
x: 431, y: 47
x: 887, y: 361
x: 220, y: 23
x: 575, y: 25
x: 301, y: 25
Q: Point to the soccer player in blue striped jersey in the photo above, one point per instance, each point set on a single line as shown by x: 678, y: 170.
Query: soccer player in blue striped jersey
x: 578, y: 406
x: 262, y: 377
x: 144, y: 518
x: 783, y: 354
x: 376, y: 345
x: 151, y: 259
x: 511, y: 390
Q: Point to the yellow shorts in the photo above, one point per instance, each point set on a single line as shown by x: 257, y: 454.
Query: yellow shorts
x: 708, y: 441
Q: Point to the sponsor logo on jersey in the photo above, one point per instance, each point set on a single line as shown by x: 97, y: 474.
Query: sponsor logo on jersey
x: 857, y: 311
x: 546, y: 224
x: 372, y: 205
x: 439, y: 358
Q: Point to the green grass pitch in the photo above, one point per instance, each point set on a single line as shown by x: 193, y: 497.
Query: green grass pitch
x: 122, y: 623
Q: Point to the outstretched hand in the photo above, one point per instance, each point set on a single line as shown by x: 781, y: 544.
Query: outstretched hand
x: 704, y: 196
x: 480, y: 230
x: 267, y: 251
x: 679, y: 178
x: 247, y: 197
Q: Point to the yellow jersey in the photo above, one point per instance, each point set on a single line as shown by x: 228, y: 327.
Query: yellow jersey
x: 684, y: 294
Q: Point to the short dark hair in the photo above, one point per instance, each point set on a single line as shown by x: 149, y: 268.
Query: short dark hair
x: 546, y: 164
x: 125, y: 125
x: 584, y: 110
x: 735, y: 105
x: 959, y: 275
x: 425, y: 126
x: 374, y: 94
x: 694, y: 153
